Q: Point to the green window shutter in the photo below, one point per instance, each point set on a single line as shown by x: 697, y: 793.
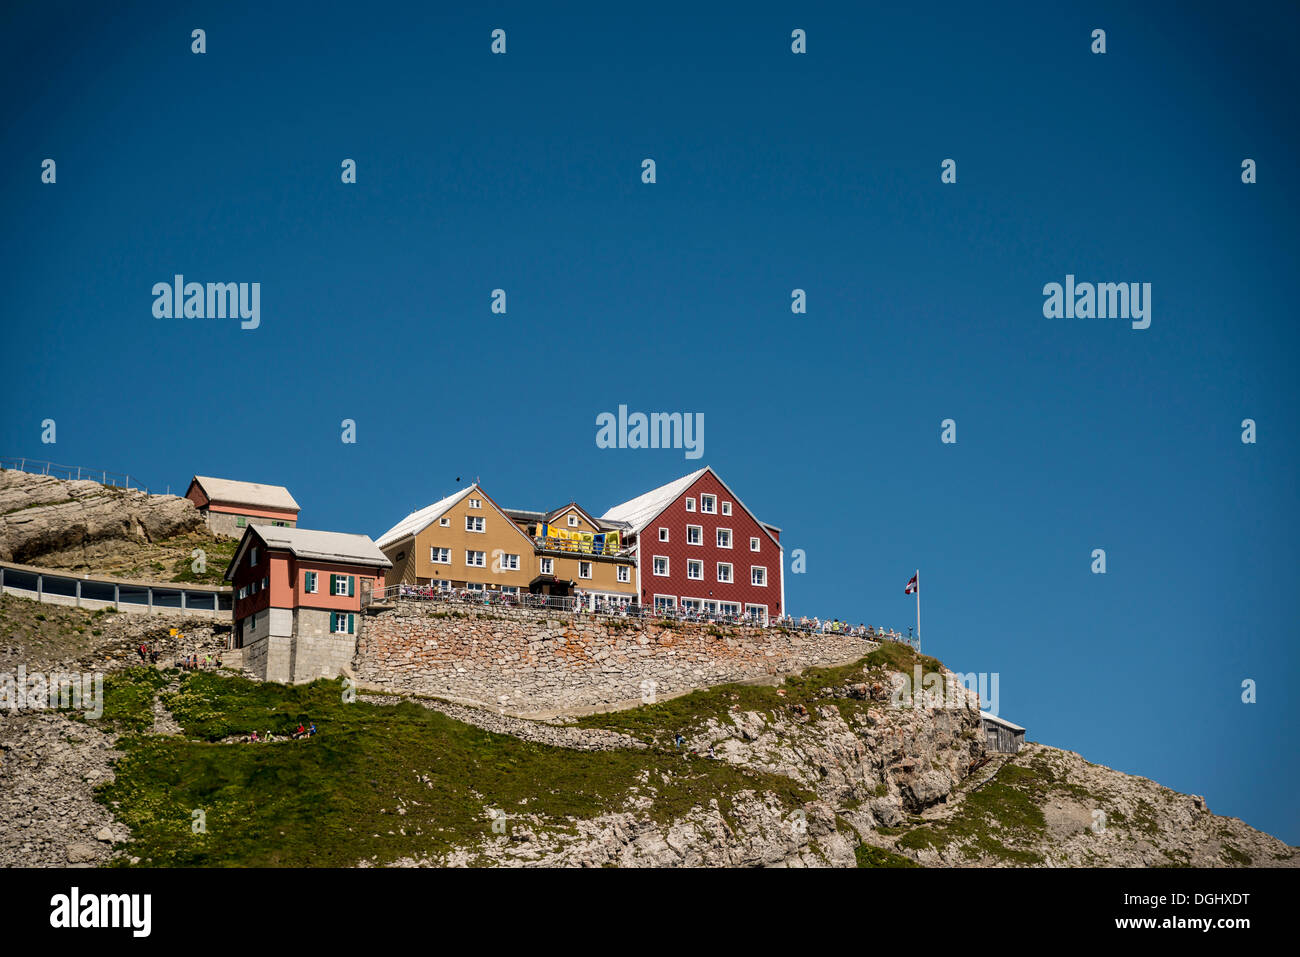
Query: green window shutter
x: 334, y: 587
x: 352, y: 586
x: 352, y: 624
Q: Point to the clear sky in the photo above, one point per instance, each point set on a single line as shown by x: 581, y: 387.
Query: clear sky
x: 775, y: 171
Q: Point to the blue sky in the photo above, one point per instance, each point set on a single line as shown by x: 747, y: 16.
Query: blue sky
x: 775, y: 172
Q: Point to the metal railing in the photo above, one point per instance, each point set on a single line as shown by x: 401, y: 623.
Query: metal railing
x: 627, y: 608
x: 75, y: 472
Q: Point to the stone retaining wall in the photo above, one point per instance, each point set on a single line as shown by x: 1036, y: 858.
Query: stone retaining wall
x: 527, y: 662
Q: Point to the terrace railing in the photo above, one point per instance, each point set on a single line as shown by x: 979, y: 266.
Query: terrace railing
x: 615, y: 608
x: 73, y: 472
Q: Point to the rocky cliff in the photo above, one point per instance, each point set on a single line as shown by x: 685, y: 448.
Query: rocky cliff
x: 78, y: 524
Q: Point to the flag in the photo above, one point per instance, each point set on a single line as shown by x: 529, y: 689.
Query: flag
x: 912, y: 586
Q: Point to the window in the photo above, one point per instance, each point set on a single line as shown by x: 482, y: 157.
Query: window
x: 691, y: 604
x: 343, y: 585
x: 724, y: 538
x: 473, y: 523
x: 709, y: 607
x: 757, y: 575
x: 665, y: 602
x: 548, y: 566
x: 444, y: 522
x: 663, y: 534
x: 661, y: 565
x: 708, y: 504
x: 756, y: 612
x: 309, y: 582
x: 401, y: 556
x: 440, y: 556
x: 509, y: 563
x: 694, y: 534
x: 573, y: 521
x: 724, y: 571
x: 584, y: 569
x: 252, y: 557
x: 510, y: 589
x: 695, y: 569
x: 476, y: 559
x: 266, y: 583
x: 624, y: 573
x: 343, y: 623
x: 281, y: 524
x: 726, y: 508
x: 473, y: 586
x: 753, y: 544
x: 690, y: 505
x: 476, y: 503
x: 728, y: 608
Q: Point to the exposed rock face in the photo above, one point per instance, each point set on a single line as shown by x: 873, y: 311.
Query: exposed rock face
x: 41, y: 515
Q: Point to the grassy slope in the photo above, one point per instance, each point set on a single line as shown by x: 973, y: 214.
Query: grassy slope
x: 333, y: 800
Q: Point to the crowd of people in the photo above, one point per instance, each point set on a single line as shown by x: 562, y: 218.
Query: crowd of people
x: 624, y: 606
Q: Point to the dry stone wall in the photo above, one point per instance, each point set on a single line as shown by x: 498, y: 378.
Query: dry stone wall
x: 529, y: 663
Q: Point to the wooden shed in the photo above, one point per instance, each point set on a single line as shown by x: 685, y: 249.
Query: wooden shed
x: 1001, y: 735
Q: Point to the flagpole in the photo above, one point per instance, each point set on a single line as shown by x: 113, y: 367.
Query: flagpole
x: 918, y: 609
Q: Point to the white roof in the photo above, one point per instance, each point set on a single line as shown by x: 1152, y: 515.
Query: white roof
x: 640, y: 510
x: 417, y: 522
x: 1002, y: 721
x: 341, y: 547
x: 246, y: 493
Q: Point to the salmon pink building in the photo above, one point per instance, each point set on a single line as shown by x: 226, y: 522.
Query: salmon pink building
x: 229, y: 506
x: 298, y: 596
x: 698, y: 547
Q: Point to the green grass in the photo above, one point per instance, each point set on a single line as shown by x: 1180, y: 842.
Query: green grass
x: 333, y: 800
x: 658, y: 723
x: 869, y: 855
x: 128, y: 700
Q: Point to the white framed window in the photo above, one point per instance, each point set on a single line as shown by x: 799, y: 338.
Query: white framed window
x: 753, y: 545
x: 663, y: 534
x: 509, y: 563
x: 724, y: 538
x: 695, y: 569
x: 758, y: 575
x: 708, y: 504
x: 729, y: 608
x: 476, y: 559
x: 476, y: 503
x: 341, y: 585
x: 624, y: 573
x: 724, y: 571
x: 474, y: 586
x: 710, y: 607
x: 756, y: 612
x: 341, y: 623
x: 584, y: 569
x: 510, y: 589
x: 726, y: 508
x: 445, y: 522
x: 661, y: 565
x: 548, y: 566
x: 474, y: 523
x: 694, y: 534
x: 691, y: 604
x: 690, y: 505
x: 573, y: 521
x: 439, y: 556
x: 664, y: 602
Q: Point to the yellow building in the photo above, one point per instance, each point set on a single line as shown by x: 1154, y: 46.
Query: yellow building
x: 577, y: 553
x: 462, y: 541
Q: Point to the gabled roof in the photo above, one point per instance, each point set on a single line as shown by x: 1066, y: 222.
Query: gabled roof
x: 643, y: 509
x: 343, y: 548
x: 419, y: 520
x: 245, y: 493
x: 639, y: 512
x: 528, y: 515
x: 1002, y: 721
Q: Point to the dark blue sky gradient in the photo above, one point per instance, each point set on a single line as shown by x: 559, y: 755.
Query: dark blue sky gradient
x: 775, y: 171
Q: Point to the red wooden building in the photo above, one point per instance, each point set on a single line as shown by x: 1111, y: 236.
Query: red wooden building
x: 699, y: 547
